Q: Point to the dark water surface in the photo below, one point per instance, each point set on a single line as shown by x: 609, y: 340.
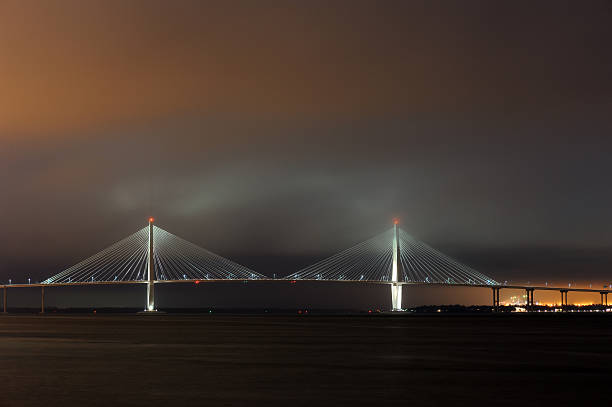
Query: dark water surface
x: 425, y: 360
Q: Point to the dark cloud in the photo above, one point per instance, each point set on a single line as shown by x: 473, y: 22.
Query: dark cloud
x: 296, y: 129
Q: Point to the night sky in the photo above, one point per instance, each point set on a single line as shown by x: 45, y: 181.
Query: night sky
x: 277, y: 133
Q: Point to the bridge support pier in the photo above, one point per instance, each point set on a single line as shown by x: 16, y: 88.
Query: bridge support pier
x: 604, y: 298
x: 42, y: 300
x: 563, y: 299
x: 4, y: 300
x: 495, y: 299
x: 529, y: 303
x: 396, y: 297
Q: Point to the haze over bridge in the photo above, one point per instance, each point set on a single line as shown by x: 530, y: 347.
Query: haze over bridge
x: 153, y: 256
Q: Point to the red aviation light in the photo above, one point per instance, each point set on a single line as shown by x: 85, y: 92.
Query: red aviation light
x: 396, y: 221
x: 151, y: 219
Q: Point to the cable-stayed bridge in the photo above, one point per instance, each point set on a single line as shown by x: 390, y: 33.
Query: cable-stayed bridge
x: 153, y: 256
x: 394, y: 257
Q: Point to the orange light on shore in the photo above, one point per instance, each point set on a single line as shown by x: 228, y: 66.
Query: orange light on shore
x: 151, y: 219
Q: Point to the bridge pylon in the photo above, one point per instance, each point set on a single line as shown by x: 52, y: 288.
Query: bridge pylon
x: 396, y: 289
x: 151, y: 271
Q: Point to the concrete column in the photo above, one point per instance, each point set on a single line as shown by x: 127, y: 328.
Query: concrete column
x: 528, y: 300
x: 494, y: 299
x: 497, y: 305
x: 42, y: 300
x: 4, y: 300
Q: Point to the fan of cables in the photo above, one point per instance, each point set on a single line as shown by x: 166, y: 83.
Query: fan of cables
x: 372, y: 260
x: 174, y: 259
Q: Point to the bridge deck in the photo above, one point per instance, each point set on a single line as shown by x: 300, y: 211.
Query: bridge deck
x: 516, y: 287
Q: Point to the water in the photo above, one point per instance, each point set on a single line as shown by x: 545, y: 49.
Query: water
x: 214, y: 360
